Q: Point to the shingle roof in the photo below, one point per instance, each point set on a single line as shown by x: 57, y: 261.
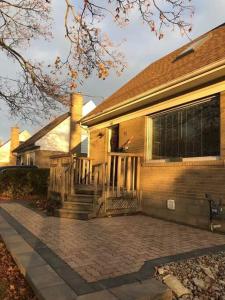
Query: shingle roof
x: 170, y: 68
x: 38, y: 135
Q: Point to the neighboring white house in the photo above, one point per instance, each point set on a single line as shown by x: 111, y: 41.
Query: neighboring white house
x: 52, y: 139
x: 5, y: 148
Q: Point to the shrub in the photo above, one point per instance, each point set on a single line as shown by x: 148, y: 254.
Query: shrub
x: 20, y: 183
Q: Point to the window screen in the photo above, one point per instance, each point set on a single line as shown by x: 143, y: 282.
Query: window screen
x: 188, y: 131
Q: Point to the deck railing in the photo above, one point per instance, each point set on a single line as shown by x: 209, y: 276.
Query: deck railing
x: 123, y: 174
x: 60, y: 179
x: 82, y: 167
x: 119, y: 177
x: 67, y: 171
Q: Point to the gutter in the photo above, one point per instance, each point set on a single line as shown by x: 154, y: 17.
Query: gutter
x: 207, y: 70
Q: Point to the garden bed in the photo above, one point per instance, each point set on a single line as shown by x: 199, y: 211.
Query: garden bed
x: 201, y: 278
x: 12, y: 283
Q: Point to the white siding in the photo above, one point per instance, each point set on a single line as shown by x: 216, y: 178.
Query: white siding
x: 5, y: 148
x: 88, y: 107
x: 58, y: 138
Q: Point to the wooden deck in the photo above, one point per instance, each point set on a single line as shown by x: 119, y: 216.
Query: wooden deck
x: 115, y: 185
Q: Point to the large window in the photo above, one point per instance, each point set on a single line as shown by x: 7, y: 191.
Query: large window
x: 187, y: 131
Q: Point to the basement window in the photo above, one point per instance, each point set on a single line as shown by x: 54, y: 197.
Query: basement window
x: 191, y: 130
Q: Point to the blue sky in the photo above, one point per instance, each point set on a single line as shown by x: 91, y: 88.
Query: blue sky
x: 141, y: 48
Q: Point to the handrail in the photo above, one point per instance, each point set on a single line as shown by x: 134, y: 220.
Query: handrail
x: 126, y: 154
x: 66, y: 173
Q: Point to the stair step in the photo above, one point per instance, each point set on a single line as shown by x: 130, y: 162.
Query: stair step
x: 78, y: 205
x: 81, y: 198
x: 73, y: 214
x: 89, y: 189
x: 87, y: 192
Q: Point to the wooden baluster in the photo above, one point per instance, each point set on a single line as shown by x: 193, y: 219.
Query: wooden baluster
x: 54, y: 179
x: 119, y: 178
x: 103, y: 176
x: 80, y: 171
x: 83, y: 170
x: 77, y: 171
x: 138, y: 175
x: 61, y: 181
x: 114, y: 174
x: 122, y: 173
x: 109, y: 174
x: 72, y: 173
x: 66, y: 185
x: 74, y: 170
x: 95, y: 177
x: 128, y: 174
x: 50, y: 179
x: 90, y: 172
x: 133, y: 174
x: 100, y: 175
x: 124, y: 170
x: 56, y: 170
x: 86, y: 171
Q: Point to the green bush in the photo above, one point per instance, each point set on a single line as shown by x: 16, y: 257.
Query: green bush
x: 20, y: 183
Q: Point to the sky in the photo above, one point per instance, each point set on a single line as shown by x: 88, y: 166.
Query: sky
x: 140, y: 48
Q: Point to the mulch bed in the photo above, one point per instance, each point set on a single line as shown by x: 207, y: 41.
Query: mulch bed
x: 12, y: 283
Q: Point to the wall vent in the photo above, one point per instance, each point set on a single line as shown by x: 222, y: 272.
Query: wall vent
x: 171, y: 204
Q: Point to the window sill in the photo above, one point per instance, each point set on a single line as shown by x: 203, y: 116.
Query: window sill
x: 189, y: 161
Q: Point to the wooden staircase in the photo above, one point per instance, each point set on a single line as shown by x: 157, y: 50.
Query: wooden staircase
x: 87, y: 190
x: 81, y: 205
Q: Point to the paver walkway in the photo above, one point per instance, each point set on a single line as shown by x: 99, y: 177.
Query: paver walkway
x: 105, y: 248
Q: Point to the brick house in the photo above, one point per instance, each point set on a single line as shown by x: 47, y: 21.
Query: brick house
x: 157, y: 145
x: 52, y: 139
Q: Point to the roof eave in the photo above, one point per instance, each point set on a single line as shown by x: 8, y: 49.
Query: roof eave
x: 191, y: 80
x: 24, y: 149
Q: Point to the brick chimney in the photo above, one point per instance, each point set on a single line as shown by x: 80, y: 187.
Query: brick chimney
x: 76, y: 107
x: 14, y: 143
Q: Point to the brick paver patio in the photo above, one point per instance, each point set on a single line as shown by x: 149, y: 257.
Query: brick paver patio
x: 109, y: 247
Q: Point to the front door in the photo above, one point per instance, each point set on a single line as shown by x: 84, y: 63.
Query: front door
x: 114, y: 138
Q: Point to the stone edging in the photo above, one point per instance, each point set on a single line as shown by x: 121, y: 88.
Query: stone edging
x: 45, y: 282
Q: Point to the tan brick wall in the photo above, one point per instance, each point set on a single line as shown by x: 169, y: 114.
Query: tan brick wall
x: 133, y: 128
x: 14, y: 143
x: 185, y: 184
x: 99, y: 139
x: 98, y: 145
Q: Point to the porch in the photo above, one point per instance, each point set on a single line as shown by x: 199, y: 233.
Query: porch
x: 88, y: 190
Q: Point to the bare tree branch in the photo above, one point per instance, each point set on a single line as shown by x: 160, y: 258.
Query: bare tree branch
x: 40, y: 88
